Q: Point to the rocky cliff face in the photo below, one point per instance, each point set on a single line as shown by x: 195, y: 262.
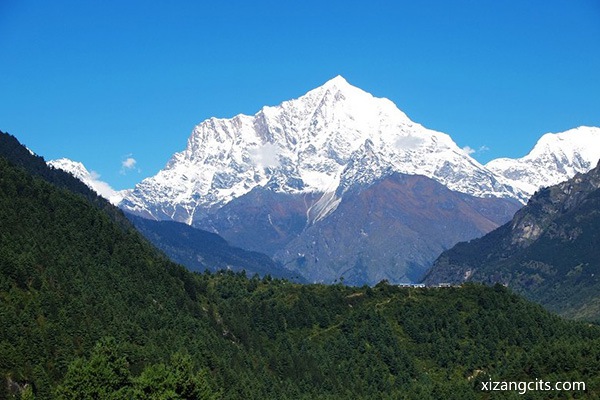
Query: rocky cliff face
x: 324, y: 142
x: 550, y: 251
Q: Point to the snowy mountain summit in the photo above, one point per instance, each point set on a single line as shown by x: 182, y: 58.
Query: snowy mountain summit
x: 91, y: 179
x: 333, y: 138
x: 555, y: 158
x: 340, y: 184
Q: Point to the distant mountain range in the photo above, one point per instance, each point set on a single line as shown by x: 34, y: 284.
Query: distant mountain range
x: 201, y: 251
x: 550, y: 251
x: 554, y: 159
x: 338, y: 184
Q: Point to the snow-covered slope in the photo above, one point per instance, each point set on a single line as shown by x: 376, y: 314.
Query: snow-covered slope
x: 330, y: 139
x: 91, y: 179
x: 555, y: 158
x: 338, y: 183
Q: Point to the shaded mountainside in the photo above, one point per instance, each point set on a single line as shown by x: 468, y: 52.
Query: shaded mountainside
x: 392, y: 229
x: 550, y: 251
x: 91, y: 310
x: 200, y: 250
x: 262, y: 220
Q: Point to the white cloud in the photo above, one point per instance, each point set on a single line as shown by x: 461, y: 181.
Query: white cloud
x: 469, y: 150
x: 101, y: 187
x: 266, y: 155
x: 408, y: 142
x: 128, y: 164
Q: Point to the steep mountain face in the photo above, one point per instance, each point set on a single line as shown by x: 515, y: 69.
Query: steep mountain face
x: 275, y: 179
x: 549, y: 251
x: 555, y: 158
x: 391, y: 229
x: 333, y: 137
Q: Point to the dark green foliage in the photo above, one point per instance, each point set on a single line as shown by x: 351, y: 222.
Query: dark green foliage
x: 550, y: 252
x: 69, y: 276
x: 106, y: 375
x: 88, y: 309
x: 19, y: 155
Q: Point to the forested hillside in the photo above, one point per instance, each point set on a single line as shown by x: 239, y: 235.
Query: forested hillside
x: 549, y: 252
x: 90, y: 310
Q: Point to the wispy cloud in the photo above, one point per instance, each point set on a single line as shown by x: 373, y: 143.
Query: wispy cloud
x: 101, y: 187
x: 469, y: 150
x: 128, y: 164
x: 266, y: 155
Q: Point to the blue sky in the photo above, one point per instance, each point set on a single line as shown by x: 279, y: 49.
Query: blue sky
x: 119, y: 85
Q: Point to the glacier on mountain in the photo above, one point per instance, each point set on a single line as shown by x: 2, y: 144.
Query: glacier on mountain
x: 326, y: 141
x: 338, y: 183
x: 555, y: 158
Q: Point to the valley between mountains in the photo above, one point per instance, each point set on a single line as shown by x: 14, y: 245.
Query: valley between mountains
x: 338, y: 185
x: 343, y: 197
x: 90, y: 309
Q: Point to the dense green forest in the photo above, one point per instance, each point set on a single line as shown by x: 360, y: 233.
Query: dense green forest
x: 90, y: 310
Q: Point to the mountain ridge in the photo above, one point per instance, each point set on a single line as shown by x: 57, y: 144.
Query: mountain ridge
x: 201, y: 251
x: 263, y: 182
x: 91, y: 179
x: 554, y: 157
x: 547, y: 252
x: 304, y: 145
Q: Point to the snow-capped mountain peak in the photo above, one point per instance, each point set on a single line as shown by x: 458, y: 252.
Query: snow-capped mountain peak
x: 306, y: 145
x: 91, y: 179
x: 338, y: 81
x: 555, y: 158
